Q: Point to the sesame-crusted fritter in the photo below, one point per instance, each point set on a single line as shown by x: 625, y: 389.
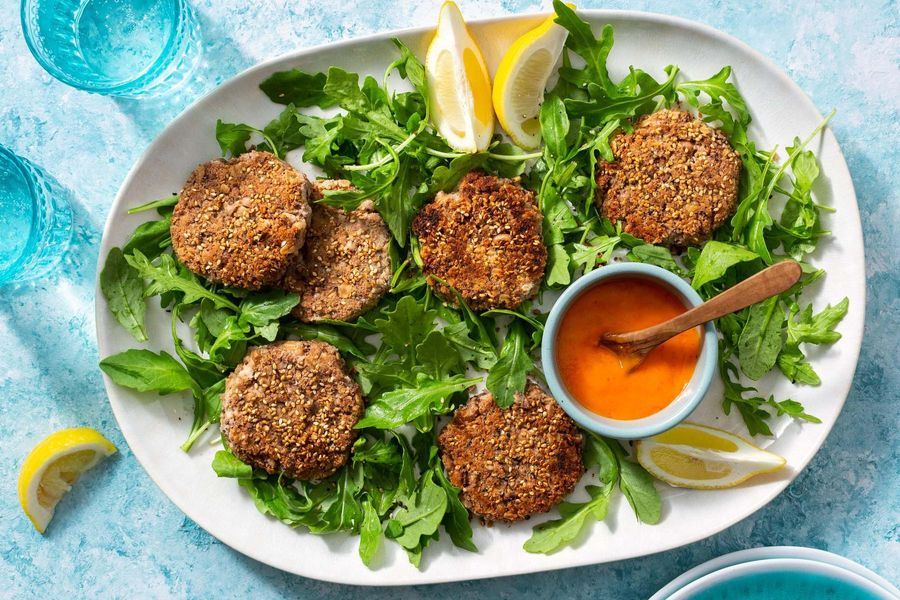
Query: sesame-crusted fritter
x: 290, y: 407
x: 512, y: 463
x: 241, y: 221
x: 674, y: 181
x: 484, y: 239
x: 345, y: 266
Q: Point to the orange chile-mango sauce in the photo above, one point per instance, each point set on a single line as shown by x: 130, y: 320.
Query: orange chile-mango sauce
x: 592, y: 374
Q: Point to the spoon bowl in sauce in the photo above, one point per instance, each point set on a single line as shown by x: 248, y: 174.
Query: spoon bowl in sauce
x: 588, y: 379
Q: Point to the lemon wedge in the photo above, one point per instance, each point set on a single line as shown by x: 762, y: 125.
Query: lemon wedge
x: 53, y: 466
x: 458, y: 84
x: 704, y: 458
x: 521, y: 79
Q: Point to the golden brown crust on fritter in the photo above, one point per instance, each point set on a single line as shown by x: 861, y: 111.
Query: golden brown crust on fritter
x: 512, y: 463
x: 345, y: 266
x: 484, y: 239
x: 291, y: 406
x: 674, y: 181
x: 241, y: 221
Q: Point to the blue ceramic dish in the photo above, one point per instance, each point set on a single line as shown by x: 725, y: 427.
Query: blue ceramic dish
x: 717, y: 574
x: 679, y: 408
x: 783, y: 579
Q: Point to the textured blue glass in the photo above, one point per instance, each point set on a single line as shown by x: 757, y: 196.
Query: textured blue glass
x: 784, y: 585
x: 115, y: 47
x: 35, y: 220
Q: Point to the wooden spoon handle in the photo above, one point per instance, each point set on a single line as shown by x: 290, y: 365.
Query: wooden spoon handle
x: 769, y: 282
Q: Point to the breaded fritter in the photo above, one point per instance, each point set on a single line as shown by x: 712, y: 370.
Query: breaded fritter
x: 512, y: 463
x: 484, y: 239
x: 290, y: 407
x: 241, y: 221
x: 673, y: 182
x: 344, y: 268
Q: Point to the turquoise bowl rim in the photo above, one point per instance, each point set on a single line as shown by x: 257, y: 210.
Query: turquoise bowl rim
x: 638, y: 428
x: 792, y: 566
x: 768, y: 552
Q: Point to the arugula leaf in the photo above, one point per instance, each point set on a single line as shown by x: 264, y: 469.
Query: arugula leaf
x: 437, y: 357
x: 793, y: 364
x: 554, y: 125
x: 321, y: 137
x: 641, y: 101
x: 478, y: 351
x: 146, y: 371
x: 445, y: 177
x: 343, y: 88
x: 750, y: 408
x: 212, y: 401
x: 558, y: 263
x: 409, y: 67
x: 167, y: 277
x: 421, y: 514
x: 719, y: 89
x: 161, y: 203
x: 456, y: 519
x: 291, y: 129
x: 369, y: 533
x: 637, y: 486
x: 207, y: 404
x: 345, y: 513
x: 761, y: 338
x: 550, y: 536
x: 399, y: 406
x: 233, y: 336
x: 803, y: 326
x: 261, y: 309
x: 123, y: 289
x: 233, y: 137
x: 331, y: 335
x: 204, y: 371
x: 715, y: 259
x: 226, y: 464
x: 600, y: 250
x: 400, y: 205
x: 656, y: 255
x: 598, y: 453
x: 791, y: 408
x: 151, y: 238
x: 582, y: 42
x: 407, y: 322
x: 510, y: 374
x: 298, y: 88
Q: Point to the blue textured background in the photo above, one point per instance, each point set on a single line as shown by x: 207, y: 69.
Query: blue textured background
x: 116, y: 535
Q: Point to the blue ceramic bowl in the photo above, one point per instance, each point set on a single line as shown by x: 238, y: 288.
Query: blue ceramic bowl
x: 716, y: 577
x: 680, y: 407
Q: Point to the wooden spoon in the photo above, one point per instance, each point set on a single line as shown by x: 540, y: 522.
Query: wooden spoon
x: 632, y: 347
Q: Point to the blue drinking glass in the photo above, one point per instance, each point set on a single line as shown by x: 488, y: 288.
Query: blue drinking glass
x: 35, y: 220
x: 129, y: 48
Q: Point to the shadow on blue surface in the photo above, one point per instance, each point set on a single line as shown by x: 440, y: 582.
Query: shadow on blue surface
x: 69, y: 286
x: 220, y: 59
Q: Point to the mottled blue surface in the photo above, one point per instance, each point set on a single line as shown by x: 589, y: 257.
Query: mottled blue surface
x: 116, y: 535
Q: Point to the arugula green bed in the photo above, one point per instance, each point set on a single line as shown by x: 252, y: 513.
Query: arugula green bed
x: 416, y: 356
